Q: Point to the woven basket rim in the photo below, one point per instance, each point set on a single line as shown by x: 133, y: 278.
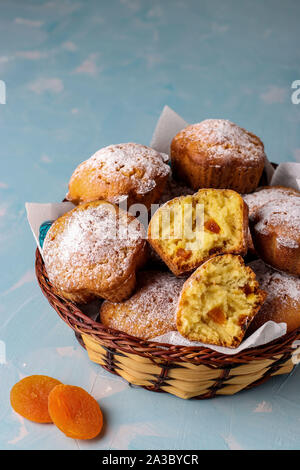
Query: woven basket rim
x: 72, y: 314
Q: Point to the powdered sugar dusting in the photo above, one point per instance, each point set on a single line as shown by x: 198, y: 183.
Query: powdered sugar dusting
x: 287, y: 242
x: 278, y: 285
x: 133, y: 164
x: 284, y: 214
x: 223, y: 140
x: 151, y: 310
x: 263, y: 196
x: 96, y: 243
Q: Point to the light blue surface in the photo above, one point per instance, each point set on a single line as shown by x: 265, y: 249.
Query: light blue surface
x: 83, y: 74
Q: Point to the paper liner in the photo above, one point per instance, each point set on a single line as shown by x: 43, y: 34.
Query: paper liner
x: 37, y: 214
x: 265, y: 334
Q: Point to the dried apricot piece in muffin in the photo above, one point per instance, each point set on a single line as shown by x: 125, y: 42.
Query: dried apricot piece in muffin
x: 75, y: 412
x: 117, y: 172
x: 218, y: 302
x: 188, y: 230
x: 94, y: 251
x: 29, y: 397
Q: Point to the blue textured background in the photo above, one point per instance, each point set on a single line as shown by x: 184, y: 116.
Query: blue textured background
x: 83, y: 74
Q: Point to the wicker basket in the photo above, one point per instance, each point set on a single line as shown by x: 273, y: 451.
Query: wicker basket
x: 182, y: 371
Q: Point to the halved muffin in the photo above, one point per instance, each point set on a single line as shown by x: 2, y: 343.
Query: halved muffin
x: 188, y: 230
x: 218, y: 302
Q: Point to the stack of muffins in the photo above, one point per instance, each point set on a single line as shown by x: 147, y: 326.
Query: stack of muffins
x: 190, y: 272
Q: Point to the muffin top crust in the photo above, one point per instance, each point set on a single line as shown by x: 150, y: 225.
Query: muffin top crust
x: 94, y: 244
x: 279, y: 286
x: 117, y: 171
x: 219, y: 142
x: 282, y: 219
x: 266, y: 195
x: 150, y: 312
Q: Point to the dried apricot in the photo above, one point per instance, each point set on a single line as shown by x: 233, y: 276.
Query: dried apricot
x: 29, y: 397
x: 212, y: 226
x: 185, y: 254
x: 217, y: 315
x: 75, y: 412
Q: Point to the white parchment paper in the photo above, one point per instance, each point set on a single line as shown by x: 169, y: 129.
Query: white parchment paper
x: 265, y: 334
x: 168, y: 125
x: 287, y: 174
x: 37, y: 214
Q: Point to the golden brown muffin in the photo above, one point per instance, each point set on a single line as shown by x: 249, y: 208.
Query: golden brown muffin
x: 217, y: 153
x: 150, y: 312
x: 275, y: 230
x: 262, y: 196
x: 188, y: 230
x: 94, y: 251
x: 172, y: 189
x: 283, y: 300
x: 267, y: 194
x: 119, y: 172
x: 218, y: 302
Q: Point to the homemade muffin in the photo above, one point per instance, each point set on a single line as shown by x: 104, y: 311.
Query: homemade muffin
x: 150, y: 312
x: 260, y: 197
x: 217, y: 153
x: 94, y: 251
x: 265, y: 195
x: 218, y: 302
x: 188, y: 230
x: 172, y: 189
x: 283, y: 300
x: 116, y: 173
x: 275, y: 230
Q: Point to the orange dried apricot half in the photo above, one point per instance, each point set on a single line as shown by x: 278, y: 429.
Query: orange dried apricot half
x: 75, y: 412
x: 29, y: 397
